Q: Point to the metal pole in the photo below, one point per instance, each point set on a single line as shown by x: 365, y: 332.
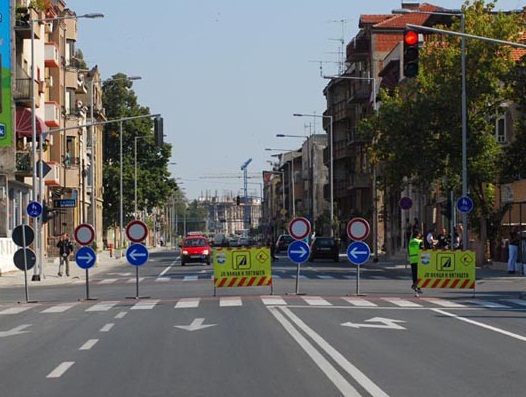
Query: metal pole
x: 464, y: 133
x: 135, y: 189
x: 121, y: 205
x: 331, y: 175
x: 92, y: 168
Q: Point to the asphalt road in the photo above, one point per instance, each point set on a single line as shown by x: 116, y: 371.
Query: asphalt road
x: 177, y: 338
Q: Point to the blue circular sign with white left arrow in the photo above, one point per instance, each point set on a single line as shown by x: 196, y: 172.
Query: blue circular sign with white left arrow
x: 358, y: 252
x: 298, y: 251
x: 85, y: 257
x: 137, y: 254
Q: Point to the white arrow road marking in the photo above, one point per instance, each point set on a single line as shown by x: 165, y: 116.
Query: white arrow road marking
x: 15, y: 331
x: 134, y: 254
x: 302, y: 251
x: 87, y: 258
x: 355, y: 252
x: 196, y: 325
x: 385, y: 323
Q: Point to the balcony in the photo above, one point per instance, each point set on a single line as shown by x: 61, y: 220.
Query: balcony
x: 51, y: 55
x: 53, y: 177
x: 24, y: 163
x: 52, y: 114
x: 359, y: 181
x: 22, y: 25
x: 359, y: 93
x: 22, y: 92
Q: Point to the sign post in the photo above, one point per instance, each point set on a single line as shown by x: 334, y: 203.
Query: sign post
x: 24, y: 258
x: 358, y: 252
x: 137, y: 254
x: 85, y: 256
x: 298, y: 252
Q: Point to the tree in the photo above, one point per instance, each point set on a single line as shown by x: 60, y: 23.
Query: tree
x: 155, y: 184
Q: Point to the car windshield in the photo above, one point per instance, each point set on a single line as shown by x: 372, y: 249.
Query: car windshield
x: 324, y: 242
x: 195, y: 242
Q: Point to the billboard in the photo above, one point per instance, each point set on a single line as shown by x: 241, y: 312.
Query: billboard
x: 6, y: 125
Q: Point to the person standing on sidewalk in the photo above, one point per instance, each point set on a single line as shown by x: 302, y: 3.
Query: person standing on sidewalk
x: 414, y: 247
x: 513, y: 250
x: 65, y: 248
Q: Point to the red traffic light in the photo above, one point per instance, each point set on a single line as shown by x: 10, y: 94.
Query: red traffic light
x: 410, y: 37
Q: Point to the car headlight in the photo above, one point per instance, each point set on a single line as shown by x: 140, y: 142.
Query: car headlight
x: 205, y: 252
x: 185, y: 252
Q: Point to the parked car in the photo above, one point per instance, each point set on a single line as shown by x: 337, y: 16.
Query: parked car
x: 283, y: 242
x: 195, y: 249
x: 324, y: 248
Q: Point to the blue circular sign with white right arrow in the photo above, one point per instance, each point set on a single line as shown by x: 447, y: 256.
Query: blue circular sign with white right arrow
x: 358, y: 252
x: 298, y: 251
x: 137, y: 254
x: 85, y: 257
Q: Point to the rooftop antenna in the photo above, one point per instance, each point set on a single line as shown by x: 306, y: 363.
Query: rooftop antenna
x: 341, y: 48
x: 321, y: 65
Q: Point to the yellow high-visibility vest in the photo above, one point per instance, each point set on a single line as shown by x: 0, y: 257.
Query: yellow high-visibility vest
x: 414, y: 249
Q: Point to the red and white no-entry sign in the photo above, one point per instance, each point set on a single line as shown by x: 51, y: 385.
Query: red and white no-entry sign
x: 136, y: 231
x: 358, y: 229
x: 299, y: 228
x: 84, y: 234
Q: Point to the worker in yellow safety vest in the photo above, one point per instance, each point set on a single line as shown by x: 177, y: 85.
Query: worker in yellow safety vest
x: 414, y: 247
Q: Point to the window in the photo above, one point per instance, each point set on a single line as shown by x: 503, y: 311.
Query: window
x: 500, y: 130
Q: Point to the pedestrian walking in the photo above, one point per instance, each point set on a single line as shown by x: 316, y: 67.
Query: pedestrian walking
x: 513, y: 250
x: 65, y: 249
x: 414, y: 247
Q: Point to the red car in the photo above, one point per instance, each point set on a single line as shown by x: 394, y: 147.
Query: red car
x: 195, y: 249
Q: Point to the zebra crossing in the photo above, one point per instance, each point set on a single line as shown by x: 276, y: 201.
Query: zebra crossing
x: 210, y: 277
x: 271, y: 300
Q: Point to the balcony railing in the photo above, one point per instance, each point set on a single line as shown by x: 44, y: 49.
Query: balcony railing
x: 24, y: 163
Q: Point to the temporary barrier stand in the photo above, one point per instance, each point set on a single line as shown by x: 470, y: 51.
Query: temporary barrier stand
x: 242, y: 267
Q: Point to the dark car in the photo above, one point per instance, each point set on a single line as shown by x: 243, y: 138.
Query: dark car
x: 324, y: 248
x: 283, y: 242
x: 195, y: 249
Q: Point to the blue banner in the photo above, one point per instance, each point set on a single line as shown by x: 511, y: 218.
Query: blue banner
x: 6, y: 125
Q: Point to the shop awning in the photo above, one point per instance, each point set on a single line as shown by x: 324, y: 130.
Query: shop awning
x: 24, y: 122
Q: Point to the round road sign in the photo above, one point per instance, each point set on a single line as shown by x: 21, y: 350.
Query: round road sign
x: 465, y: 204
x: 23, y: 235
x: 358, y: 252
x: 405, y: 203
x: 358, y: 229
x: 34, y: 209
x: 84, y: 234
x: 137, y: 254
x: 24, y: 258
x: 136, y: 231
x: 85, y: 257
x: 299, y: 228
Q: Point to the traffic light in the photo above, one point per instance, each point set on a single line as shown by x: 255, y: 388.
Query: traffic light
x: 47, y: 213
x: 158, y: 131
x: 238, y: 200
x: 410, y: 53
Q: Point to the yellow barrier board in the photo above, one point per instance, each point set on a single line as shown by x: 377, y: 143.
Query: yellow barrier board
x: 446, y: 269
x: 242, y: 267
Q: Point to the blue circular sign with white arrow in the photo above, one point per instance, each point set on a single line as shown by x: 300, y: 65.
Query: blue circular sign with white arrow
x: 137, y: 254
x: 85, y: 257
x: 464, y: 204
x: 34, y: 209
x: 358, y: 252
x: 298, y: 251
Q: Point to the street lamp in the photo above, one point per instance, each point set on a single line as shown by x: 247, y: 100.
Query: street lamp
x: 372, y: 80
x: 135, y: 163
x: 331, y: 161
x: 460, y: 14
x: 37, y: 222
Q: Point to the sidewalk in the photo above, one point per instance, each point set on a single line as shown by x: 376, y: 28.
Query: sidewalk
x: 50, y: 270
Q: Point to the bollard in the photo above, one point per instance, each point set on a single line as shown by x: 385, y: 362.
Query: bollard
x: 111, y: 249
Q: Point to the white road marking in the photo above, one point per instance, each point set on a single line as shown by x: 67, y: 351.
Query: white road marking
x: 443, y: 303
x: 145, y: 305
x: 15, y: 310
x: 519, y: 302
x: 89, y: 344
x: 166, y: 270
x: 186, y: 303
x: 323, y: 277
x: 162, y: 279
x: 58, y: 308
x: 360, y: 302
x: 108, y: 281
x: 121, y: 314
x: 107, y: 327
x: 134, y: 280
x: 61, y: 369
x: 230, y: 301
x: 489, y: 305
x: 273, y: 300
x: 402, y: 302
x: 191, y: 278
x: 316, y: 301
x: 102, y: 307
x: 482, y: 325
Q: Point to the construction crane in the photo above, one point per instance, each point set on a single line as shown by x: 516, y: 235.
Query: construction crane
x: 245, y: 192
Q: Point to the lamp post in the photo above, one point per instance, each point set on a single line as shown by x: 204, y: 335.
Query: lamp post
x: 291, y: 171
x: 92, y: 139
x: 135, y: 166
x: 38, y: 223
x: 462, y: 17
x: 331, y: 161
x: 372, y: 80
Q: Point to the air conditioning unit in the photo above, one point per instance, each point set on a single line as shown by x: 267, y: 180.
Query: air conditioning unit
x: 49, y: 28
x: 50, y: 81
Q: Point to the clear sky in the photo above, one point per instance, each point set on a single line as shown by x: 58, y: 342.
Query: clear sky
x: 227, y: 75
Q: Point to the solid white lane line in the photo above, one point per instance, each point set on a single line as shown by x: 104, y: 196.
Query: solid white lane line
x: 273, y: 300
x: 166, y: 270
x: 58, y: 308
x: 145, y: 305
x: 102, y: 307
x: 334, y: 376
x: 89, y: 344
x: 121, y: 314
x: 360, y: 302
x: 230, y: 301
x: 186, y: 303
x: 61, y: 369
x: 107, y: 327
x: 482, y: 325
x: 347, y: 366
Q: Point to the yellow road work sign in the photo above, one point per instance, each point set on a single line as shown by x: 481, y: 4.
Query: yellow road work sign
x: 446, y: 269
x: 242, y: 267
